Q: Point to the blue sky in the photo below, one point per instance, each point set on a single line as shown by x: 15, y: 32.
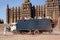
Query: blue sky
x: 15, y: 3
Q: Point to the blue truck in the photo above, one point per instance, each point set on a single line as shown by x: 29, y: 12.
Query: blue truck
x: 34, y: 26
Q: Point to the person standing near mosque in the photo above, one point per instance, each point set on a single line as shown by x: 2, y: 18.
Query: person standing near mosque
x: 5, y: 30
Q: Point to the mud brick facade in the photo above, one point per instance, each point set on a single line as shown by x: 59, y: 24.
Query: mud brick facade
x: 51, y: 9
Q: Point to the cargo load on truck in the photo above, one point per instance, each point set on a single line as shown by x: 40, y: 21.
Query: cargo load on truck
x: 40, y: 25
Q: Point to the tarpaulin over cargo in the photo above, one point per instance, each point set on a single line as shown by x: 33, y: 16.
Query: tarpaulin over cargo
x: 40, y: 24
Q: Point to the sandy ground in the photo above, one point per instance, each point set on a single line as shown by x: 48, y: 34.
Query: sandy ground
x: 10, y: 36
x: 31, y: 37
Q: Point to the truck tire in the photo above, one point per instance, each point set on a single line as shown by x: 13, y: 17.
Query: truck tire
x: 36, y: 32
x: 14, y: 32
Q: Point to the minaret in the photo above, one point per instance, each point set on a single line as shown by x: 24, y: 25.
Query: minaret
x: 49, y: 8
x: 7, y: 14
x: 52, y: 8
x: 37, y: 11
x: 56, y: 9
x: 15, y: 15
x: 18, y: 13
x: 12, y: 15
x: 26, y: 9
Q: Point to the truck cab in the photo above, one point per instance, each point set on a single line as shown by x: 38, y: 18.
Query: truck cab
x: 12, y: 26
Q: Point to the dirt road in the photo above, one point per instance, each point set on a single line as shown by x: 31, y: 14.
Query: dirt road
x: 30, y: 37
x: 10, y: 36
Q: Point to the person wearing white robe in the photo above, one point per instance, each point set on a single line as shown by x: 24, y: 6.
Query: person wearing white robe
x: 4, y: 30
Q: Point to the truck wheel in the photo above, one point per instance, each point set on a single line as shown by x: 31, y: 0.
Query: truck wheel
x: 14, y: 31
x: 36, y: 32
x: 18, y: 32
